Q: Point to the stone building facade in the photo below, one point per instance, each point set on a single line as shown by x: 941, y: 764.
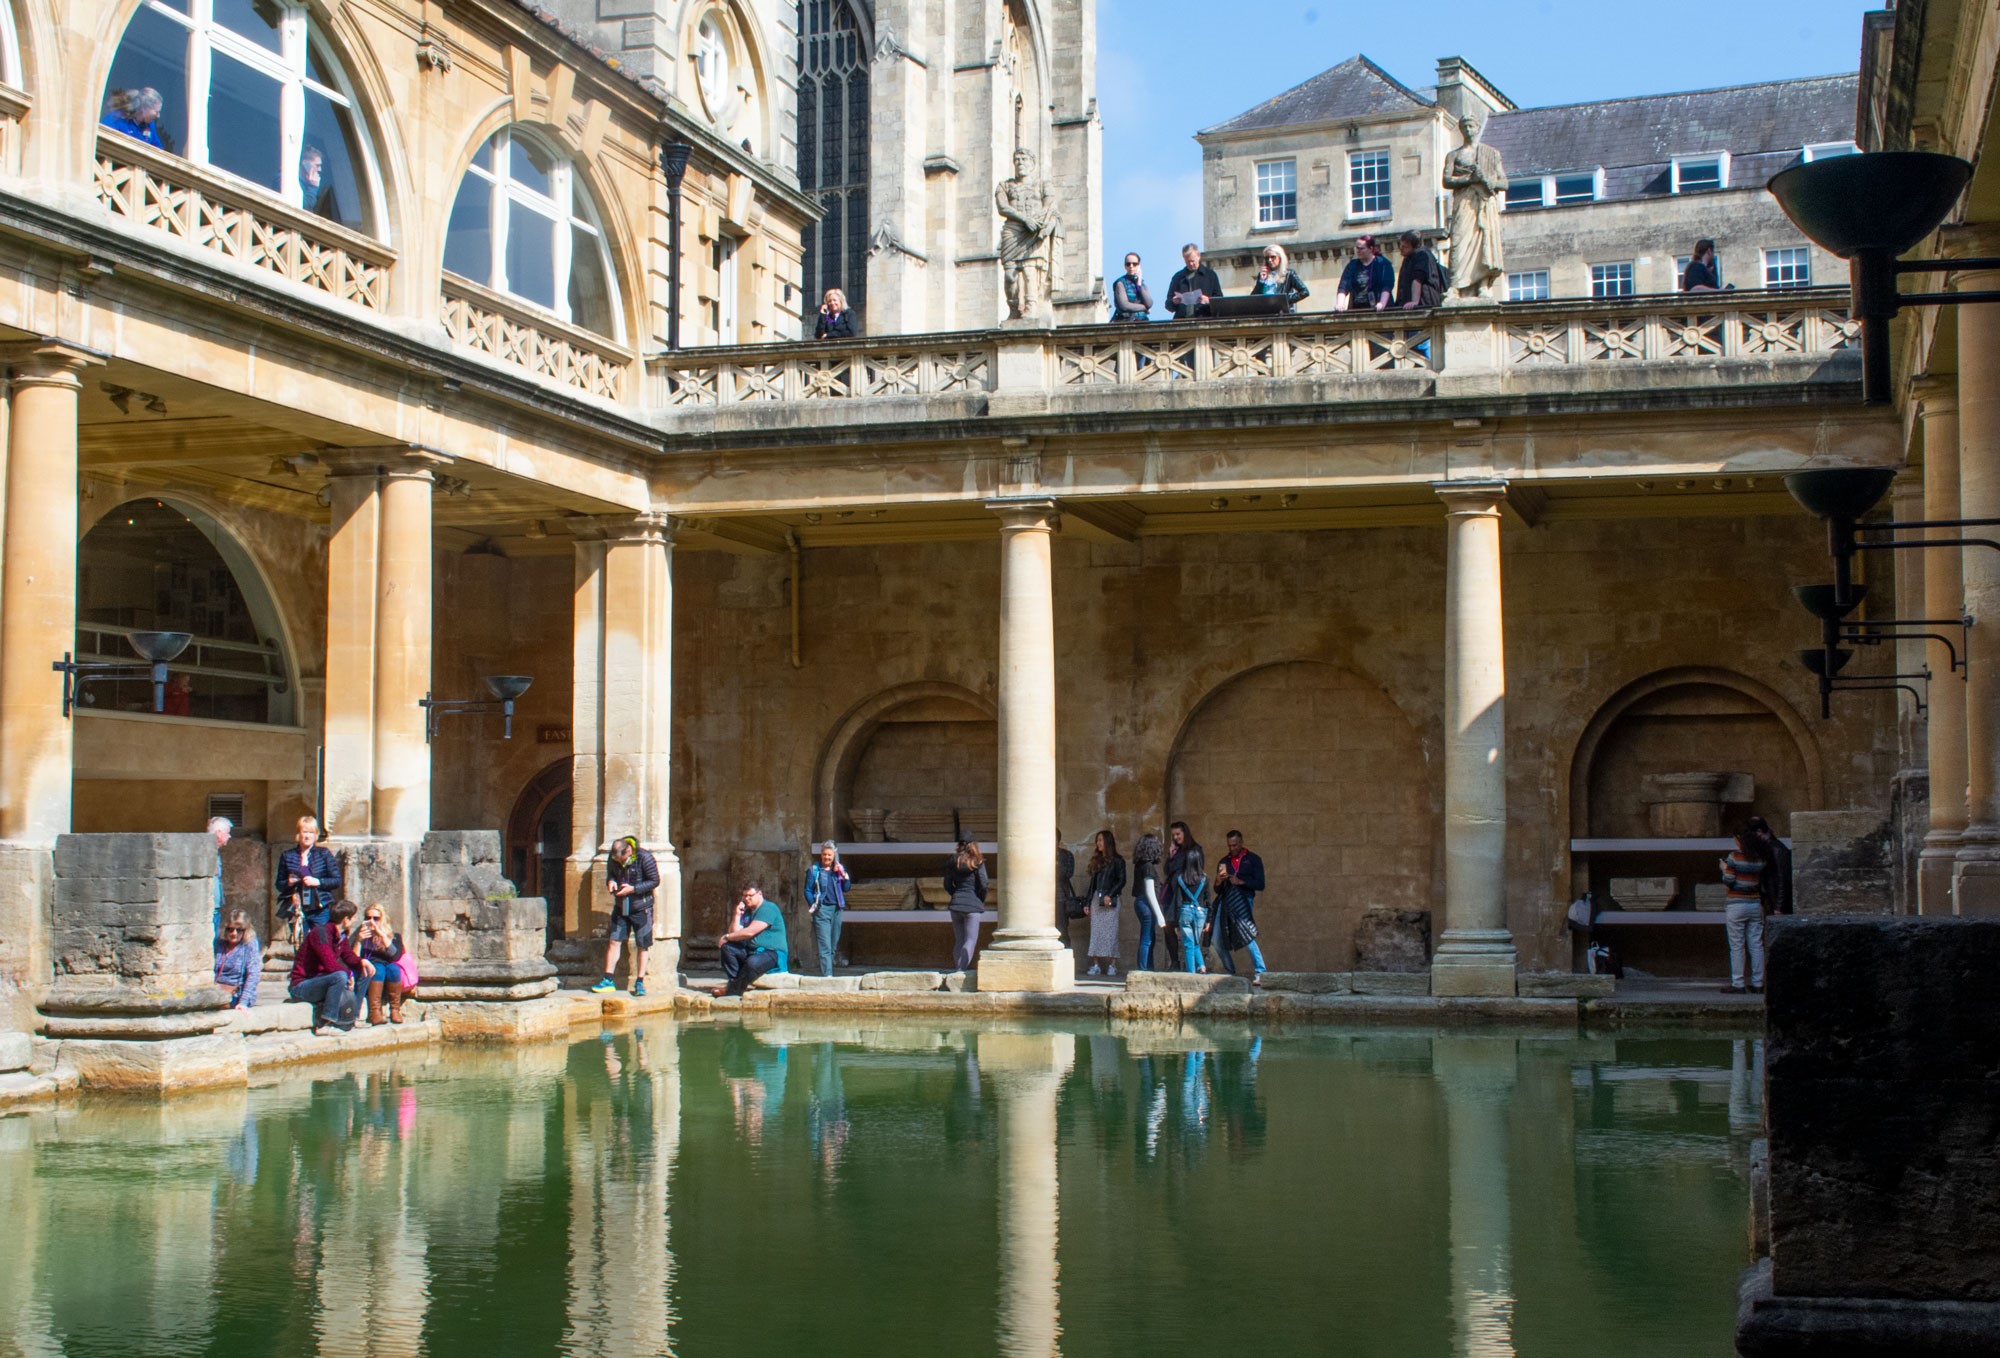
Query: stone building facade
x: 1604, y: 199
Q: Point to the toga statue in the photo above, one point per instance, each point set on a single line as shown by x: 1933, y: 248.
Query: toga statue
x: 1030, y: 226
x: 1478, y: 187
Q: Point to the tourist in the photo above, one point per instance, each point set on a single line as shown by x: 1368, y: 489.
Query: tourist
x: 1107, y: 884
x: 965, y: 882
x: 324, y: 968
x: 632, y: 876
x: 220, y: 827
x: 239, y: 962
x: 826, y: 896
x: 1180, y: 840
x: 177, y: 699
x: 754, y: 946
x: 1421, y: 282
x: 307, y: 881
x: 381, y: 950
x: 1189, y: 290
x: 1277, y: 278
x: 1190, y: 887
x: 1368, y: 281
x: 315, y: 195
x: 836, y: 320
x: 136, y: 113
x: 1131, y: 299
x: 1776, y: 882
x: 1238, y: 879
x: 1743, y: 915
x: 1149, y: 896
x: 1702, y: 274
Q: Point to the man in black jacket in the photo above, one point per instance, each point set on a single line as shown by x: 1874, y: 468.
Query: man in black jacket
x: 307, y: 881
x: 1238, y: 879
x: 1188, y: 293
x: 1775, y: 883
x: 633, y: 875
x: 1421, y: 282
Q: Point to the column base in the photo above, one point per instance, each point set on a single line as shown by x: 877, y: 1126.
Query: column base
x: 1477, y: 963
x: 377, y: 871
x: 1040, y: 968
x: 1975, y: 874
x: 1935, y: 864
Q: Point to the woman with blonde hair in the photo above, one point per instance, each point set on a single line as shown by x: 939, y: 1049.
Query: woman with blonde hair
x: 1278, y: 278
x: 238, y: 960
x: 836, y: 318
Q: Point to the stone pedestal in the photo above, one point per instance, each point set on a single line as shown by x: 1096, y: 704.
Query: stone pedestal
x: 1882, y: 1097
x: 476, y: 941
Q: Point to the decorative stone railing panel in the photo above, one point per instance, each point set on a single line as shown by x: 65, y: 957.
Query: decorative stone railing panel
x: 692, y: 379
x: 1683, y: 333
x: 1144, y: 355
x: 488, y: 324
x: 180, y: 200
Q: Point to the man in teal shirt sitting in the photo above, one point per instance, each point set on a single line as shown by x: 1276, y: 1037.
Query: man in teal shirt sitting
x: 756, y: 945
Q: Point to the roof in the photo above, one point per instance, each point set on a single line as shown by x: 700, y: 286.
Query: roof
x: 1635, y: 140
x: 1357, y: 88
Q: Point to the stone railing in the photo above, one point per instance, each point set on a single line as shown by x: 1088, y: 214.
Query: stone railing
x: 1443, y: 351
x: 179, y: 199
x: 487, y: 323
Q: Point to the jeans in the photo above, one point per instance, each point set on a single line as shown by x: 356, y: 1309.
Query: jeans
x: 1256, y: 957
x: 964, y: 939
x: 1192, y: 918
x: 326, y: 991
x: 826, y: 936
x: 1145, y: 914
x: 743, y: 964
x: 1744, y: 921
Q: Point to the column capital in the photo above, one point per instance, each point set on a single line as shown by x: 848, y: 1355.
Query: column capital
x: 1038, y: 512
x: 1969, y: 239
x: 409, y: 460
x: 1479, y: 499
x: 48, y: 362
x: 649, y: 528
x: 1935, y: 393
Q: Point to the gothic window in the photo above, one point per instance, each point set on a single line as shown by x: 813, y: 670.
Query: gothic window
x: 251, y: 88
x: 833, y: 149
x: 523, y: 225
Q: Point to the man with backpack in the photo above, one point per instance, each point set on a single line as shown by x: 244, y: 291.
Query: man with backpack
x: 632, y: 875
x: 323, y: 971
x: 1421, y: 283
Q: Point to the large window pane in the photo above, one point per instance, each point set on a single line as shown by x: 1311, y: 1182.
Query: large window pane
x: 468, y: 236
x: 154, y: 56
x: 256, y: 20
x: 531, y: 167
x: 483, y: 157
x: 339, y: 196
x: 244, y: 134
x: 531, y: 257
x: 589, y: 286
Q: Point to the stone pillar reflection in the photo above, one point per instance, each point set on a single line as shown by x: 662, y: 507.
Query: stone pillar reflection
x: 622, y: 717
x: 1475, y: 954
x: 1976, y: 881
x: 1028, y: 1070
x: 1944, y: 597
x: 1027, y: 953
x: 1477, y: 1076
x: 38, y: 600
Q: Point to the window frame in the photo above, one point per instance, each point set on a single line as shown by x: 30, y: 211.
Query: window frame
x: 503, y: 191
x: 1800, y: 255
x: 1545, y: 189
x: 1290, y: 165
x: 1597, y: 292
x: 298, y: 34
x: 1720, y: 159
x: 1513, y: 279
x: 1371, y: 156
x: 1828, y: 150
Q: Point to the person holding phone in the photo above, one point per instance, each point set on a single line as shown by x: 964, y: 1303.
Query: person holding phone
x: 307, y: 881
x: 1277, y: 278
x: 381, y: 952
x: 631, y: 876
x: 836, y: 320
x: 826, y: 896
x: 1131, y: 299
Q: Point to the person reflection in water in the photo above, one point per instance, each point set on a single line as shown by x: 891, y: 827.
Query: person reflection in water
x: 753, y: 1073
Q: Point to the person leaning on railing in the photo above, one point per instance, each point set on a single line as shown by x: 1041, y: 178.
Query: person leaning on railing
x: 1131, y: 299
x: 1421, y: 283
x: 1277, y: 278
x: 1368, y: 281
x: 836, y: 318
x: 136, y: 113
x: 1189, y: 291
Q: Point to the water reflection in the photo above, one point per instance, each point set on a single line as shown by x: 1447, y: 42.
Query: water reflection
x: 882, y: 1190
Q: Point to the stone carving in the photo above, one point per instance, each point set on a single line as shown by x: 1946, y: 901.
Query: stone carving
x: 1030, y: 226
x: 1478, y: 185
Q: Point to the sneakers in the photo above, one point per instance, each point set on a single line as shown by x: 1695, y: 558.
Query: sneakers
x: 604, y: 986
x: 1095, y: 970
x: 638, y: 990
x: 1111, y: 969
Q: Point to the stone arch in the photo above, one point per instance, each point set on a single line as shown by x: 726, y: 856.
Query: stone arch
x: 850, y: 739
x: 1335, y: 795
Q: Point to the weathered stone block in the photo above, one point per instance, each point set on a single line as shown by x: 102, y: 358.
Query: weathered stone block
x: 902, y: 980
x: 473, y: 932
x: 1392, y: 940
x: 508, y: 1021
x: 135, y: 908
x: 1389, y: 983
x: 1186, y: 983
x: 17, y: 1051
x: 1843, y: 862
x: 839, y: 984
x: 157, y: 1067
x: 1563, y: 985
x: 1039, y: 973
x: 1308, y: 982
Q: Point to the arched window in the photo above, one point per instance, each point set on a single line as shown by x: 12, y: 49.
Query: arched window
x: 833, y: 149
x: 249, y: 87
x: 523, y: 225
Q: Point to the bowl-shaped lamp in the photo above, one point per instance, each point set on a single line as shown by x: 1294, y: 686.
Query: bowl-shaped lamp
x: 1883, y: 200
x: 1823, y: 601
x: 1840, y: 492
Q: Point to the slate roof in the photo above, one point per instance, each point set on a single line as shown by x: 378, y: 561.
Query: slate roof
x: 1357, y: 88
x: 1635, y: 140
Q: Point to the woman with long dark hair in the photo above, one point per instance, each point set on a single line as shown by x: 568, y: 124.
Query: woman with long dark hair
x: 1190, y: 888
x: 1180, y: 839
x: 1150, y: 896
x: 1107, y: 884
x: 965, y: 881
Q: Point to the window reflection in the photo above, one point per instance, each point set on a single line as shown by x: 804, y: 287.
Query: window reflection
x: 246, y: 102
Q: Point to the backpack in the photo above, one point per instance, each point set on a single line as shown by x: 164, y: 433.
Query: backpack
x: 347, y: 1011
x: 1437, y: 275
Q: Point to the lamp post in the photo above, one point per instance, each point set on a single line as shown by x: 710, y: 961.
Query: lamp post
x: 673, y: 163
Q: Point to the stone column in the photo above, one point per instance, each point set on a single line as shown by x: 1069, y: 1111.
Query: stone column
x: 1027, y: 953
x: 401, y: 794
x: 1477, y: 1075
x: 1944, y: 597
x: 1976, y: 877
x: 1910, y: 799
x: 622, y: 718
x: 1475, y: 954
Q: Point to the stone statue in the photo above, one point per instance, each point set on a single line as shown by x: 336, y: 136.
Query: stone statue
x: 1478, y: 187
x: 1030, y: 226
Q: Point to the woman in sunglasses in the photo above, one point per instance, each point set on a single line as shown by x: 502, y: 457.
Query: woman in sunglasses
x: 238, y: 960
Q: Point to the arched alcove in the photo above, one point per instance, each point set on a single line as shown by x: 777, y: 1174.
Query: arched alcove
x: 926, y: 747
x: 538, y: 838
x: 1326, y: 778
x: 156, y: 564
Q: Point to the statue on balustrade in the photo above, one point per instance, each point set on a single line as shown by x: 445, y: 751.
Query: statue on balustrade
x: 1030, y: 226
x: 1478, y: 185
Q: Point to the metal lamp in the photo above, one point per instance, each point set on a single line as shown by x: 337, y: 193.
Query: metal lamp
x: 155, y: 648
x: 505, y: 688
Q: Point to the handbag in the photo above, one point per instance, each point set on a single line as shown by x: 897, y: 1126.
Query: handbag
x: 406, y: 967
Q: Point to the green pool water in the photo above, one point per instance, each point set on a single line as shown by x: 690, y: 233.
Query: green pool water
x: 821, y: 1191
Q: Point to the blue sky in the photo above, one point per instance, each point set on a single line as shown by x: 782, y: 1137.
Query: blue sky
x: 1537, y: 51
